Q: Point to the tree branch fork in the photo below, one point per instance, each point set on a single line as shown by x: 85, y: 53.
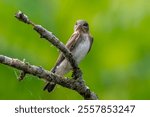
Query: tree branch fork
x: 76, y: 83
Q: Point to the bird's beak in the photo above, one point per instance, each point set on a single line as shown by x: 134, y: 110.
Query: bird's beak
x: 79, y: 27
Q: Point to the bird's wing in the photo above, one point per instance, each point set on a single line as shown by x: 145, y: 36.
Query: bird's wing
x: 91, y: 41
x: 59, y: 60
x: 70, y: 45
x: 72, y: 41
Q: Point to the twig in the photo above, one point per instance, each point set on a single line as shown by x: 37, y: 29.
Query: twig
x: 22, y: 74
x: 77, y: 85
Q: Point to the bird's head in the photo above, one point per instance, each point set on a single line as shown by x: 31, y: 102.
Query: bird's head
x: 81, y: 25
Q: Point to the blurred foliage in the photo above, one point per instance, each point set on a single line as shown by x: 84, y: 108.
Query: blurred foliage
x: 118, y: 66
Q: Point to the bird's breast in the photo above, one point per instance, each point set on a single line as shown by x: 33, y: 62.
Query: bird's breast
x: 82, y: 48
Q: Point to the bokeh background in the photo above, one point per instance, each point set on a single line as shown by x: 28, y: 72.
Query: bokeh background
x: 117, y: 67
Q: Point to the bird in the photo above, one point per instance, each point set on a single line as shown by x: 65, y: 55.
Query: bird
x: 79, y: 44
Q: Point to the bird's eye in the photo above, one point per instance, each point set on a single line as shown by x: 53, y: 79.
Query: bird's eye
x: 76, y: 23
x: 85, y: 24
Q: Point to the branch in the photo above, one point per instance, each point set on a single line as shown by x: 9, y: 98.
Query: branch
x: 77, y: 85
x: 53, y: 40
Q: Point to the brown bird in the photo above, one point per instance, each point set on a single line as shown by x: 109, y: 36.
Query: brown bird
x: 79, y: 44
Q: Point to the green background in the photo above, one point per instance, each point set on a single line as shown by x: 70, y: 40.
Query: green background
x: 117, y: 67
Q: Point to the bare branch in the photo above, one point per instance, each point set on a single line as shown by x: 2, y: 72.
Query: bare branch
x: 52, y: 39
x: 77, y: 85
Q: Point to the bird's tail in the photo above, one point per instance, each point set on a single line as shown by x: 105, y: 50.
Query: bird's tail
x: 50, y: 85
